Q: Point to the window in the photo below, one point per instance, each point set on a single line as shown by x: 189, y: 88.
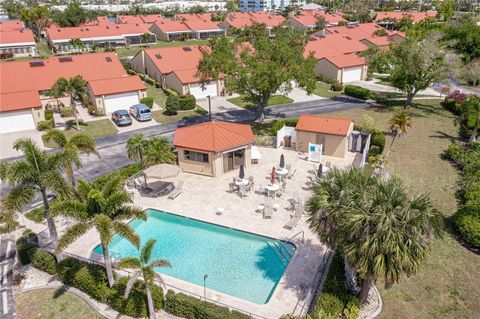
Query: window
x: 196, y: 156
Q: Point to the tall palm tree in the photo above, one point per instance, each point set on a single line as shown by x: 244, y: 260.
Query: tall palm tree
x: 399, y: 125
x: 387, y: 234
x: 470, y: 114
x: 144, y: 266
x: 159, y: 150
x: 76, y: 43
x: 80, y: 142
x: 104, y: 209
x: 39, y: 171
x: 74, y: 87
x: 145, y: 38
x: 136, y: 149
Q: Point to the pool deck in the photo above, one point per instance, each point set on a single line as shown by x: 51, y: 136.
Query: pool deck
x: 203, y: 195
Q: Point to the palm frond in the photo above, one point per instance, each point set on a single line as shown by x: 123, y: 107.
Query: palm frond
x: 85, y: 143
x: 159, y: 263
x: 131, y: 212
x: 54, y: 181
x: 129, y: 263
x: 71, y: 234
x: 18, y: 197
x: 56, y: 136
x: 113, y: 185
x: 131, y: 282
x: 127, y: 232
x: 115, y: 201
x: 70, y: 208
x: 146, y: 251
x: 83, y: 189
x: 104, y: 226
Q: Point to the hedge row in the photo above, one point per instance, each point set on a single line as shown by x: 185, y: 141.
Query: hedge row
x: 467, y: 217
x: 357, y: 92
x: 124, y: 173
x: 335, y: 299
x: 192, y: 308
x: 177, y: 103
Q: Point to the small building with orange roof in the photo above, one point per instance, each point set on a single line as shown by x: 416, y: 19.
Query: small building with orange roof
x: 332, y: 133
x: 17, y: 42
x: 369, y: 34
x: 175, y: 68
x: 308, y: 19
x: 388, y: 18
x: 213, y: 148
x: 170, y: 30
x: 241, y: 20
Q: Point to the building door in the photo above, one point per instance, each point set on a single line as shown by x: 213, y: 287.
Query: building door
x: 233, y: 160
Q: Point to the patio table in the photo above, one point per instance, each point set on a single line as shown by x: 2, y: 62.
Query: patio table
x: 272, y: 188
x: 239, y: 182
x: 281, y: 171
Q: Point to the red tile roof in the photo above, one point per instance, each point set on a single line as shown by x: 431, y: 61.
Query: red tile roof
x: 19, y: 100
x: 129, y: 19
x: 193, y: 16
x: 11, y: 25
x: 323, y: 124
x: 309, y: 18
x: 23, y: 77
x: 117, y: 85
x: 202, y: 25
x: 187, y: 76
x: 97, y: 31
x: 346, y: 60
x: 398, y: 15
x: 151, y: 18
x: 172, y: 26
x: 333, y: 45
x: 213, y: 136
x: 17, y: 36
x: 364, y: 31
x: 175, y: 58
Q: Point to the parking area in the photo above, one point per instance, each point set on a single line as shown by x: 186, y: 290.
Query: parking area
x: 8, y: 139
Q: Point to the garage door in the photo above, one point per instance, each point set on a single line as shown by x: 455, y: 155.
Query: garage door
x: 16, y: 121
x: 199, y: 92
x: 352, y: 74
x: 121, y: 101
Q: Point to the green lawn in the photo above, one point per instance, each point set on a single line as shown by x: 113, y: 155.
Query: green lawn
x: 158, y: 95
x: 323, y: 90
x: 37, y: 215
x: 43, y: 49
x: 447, y: 285
x: 132, y: 50
x: 162, y: 118
x: 51, y: 304
x: 274, y: 100
x: 96, y: 129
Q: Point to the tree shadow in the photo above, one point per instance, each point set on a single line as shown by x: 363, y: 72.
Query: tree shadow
x: 443, y: 135
x: 59, y: 292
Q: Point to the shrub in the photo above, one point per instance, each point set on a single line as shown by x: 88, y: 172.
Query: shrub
x: 380, y: 33
x: 170, y: 92
x: 352, y: 309
x: 374, y: 151
x: 450, y: 105
x: 45, y: 125
x: 150, y: 81
x: 187, y: 102
x: 325, y: 79
x: 142, y: 76
x: 6, y: 55
x: 201, y: 111
x: 37, y: 215
x: 381, y: 98
x: 92, y: 109
x: 148, y: 101
x: 328, y: 306
x: 91, y: 279
x: 24, y: 247
x: 136, y: 303
x: 336, y: 87
x: 43, y: 260
x: 378, y: 139
x: 66, y: 111
x: 357, y: 91
x: 469, y: 227
x: 158, y: 85
x: 192, y: 308
x: 131, y: 72
x: 171, y: 105
x: 124, y: 173
x: 453, y: 152
x: 48, y: 115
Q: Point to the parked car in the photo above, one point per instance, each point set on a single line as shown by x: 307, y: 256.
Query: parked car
x: 121, y: 118
x: 141, y: 112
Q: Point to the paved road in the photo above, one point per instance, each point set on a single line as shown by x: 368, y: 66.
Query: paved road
x: 114, y: 156
x: 7, y: 260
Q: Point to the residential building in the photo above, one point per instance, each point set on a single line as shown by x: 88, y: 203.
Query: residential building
x: 102, y: 35
x: 17, y: 42
x: 200, y: 25
x: 332, y: 133
x: 170, y: 30
x: 369, y: 34
x: 25, y: 86
x: 213, y: 148
x: 239, y: 20
x: 148, y: 19
x: 390, y: 18
x: 175, y: 68
x: 308, y: 19
x: 264, y: 5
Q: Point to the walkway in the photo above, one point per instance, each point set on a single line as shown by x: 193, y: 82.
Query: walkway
x: 7, y: 257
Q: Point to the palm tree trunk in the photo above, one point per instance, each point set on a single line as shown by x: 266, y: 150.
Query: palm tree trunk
x: 366, y: 285
x: 151, y: 310
x: 52, y: 230
x: 69, y: 173
x: 391, y: 145
x: 74, y: 108
x: 108, y: 265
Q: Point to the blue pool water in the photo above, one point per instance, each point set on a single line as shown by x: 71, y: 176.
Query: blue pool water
x: 237, y: 263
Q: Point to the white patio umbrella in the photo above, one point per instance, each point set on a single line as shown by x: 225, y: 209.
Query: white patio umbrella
x: 162, y: 171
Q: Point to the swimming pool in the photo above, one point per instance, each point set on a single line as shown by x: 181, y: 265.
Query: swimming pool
x: 237, y: 263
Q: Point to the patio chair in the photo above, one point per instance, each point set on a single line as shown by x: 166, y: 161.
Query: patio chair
x: 242, y: 189
x: 139, y: 182
x: 260, y: 190
x: 232, y: 187
x: 177, y: 191
x: 292, y: 223
x: 250, y: 186
x: 268, y: 210
x: 291, y: 174
x: 288, y: 167
x: 250, y: 178
x: 130, y: 189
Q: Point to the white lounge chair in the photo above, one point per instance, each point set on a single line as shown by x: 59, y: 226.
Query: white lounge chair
x: 268, y: 210
x: 291, y: 174
x: 292, y: 223
x: 177, y: 191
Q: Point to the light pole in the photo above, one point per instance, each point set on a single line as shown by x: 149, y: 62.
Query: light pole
x: 204, y: 285
x: 209, y: 111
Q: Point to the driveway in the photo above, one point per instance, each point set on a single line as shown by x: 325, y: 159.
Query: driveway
x: 8, y: 139
x: 218, y: 104
x: 374, y: 86
x: 300, y: 95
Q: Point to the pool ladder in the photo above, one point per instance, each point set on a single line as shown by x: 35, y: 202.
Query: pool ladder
x: 283, y: 254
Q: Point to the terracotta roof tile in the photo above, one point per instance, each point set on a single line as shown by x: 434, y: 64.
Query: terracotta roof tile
x: 187, y: 76
x: 172, y: 26
x: 398, y: 15
x: 17, y: 36
x: 11, y: 25
x: 346, y: 60
x: 175, y: 58
x: 96, y: 31
x: 117, y: 85
x: 213, y: 136
x: 19, y: 100
x: 323, y: 124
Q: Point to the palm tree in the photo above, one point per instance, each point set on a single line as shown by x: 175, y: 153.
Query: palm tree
x: 398, y: 126
x: 145, y: 38
x: 470, y: 114
x: 74, y: 87
x: 144, y: 267
x: 76, y: 43
x: 136, y: 149
x: 104, y: 209
x: 386, y: 234
x: 39, y: 171
x: 80, y: 142
x: 159, y: 150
